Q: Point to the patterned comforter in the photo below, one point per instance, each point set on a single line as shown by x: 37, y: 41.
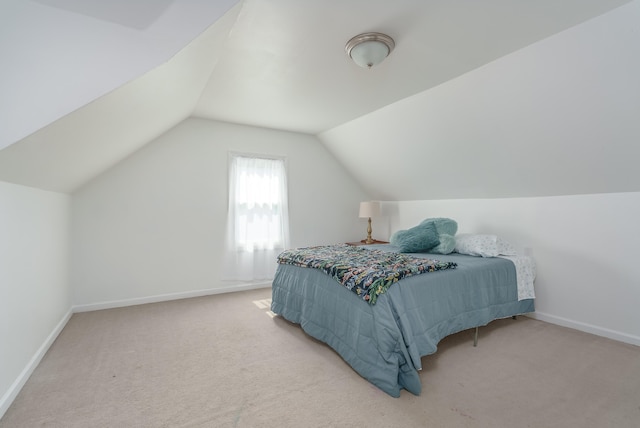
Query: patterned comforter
x: 367, y: 273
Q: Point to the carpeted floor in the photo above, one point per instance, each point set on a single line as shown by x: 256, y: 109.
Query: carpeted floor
x: 223, y: 361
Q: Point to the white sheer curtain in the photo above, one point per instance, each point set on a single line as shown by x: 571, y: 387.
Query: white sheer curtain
x: 258, y: 223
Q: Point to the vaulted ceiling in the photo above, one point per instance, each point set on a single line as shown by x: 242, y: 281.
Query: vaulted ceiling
x: 84, y: 83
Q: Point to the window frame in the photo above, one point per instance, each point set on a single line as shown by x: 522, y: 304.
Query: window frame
x: 283, y: 242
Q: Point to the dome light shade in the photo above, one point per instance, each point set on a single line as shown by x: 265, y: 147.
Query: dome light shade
x: 369, y: 49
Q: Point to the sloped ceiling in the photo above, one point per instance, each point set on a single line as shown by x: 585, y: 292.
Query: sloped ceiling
x: 59, y: 55
x: 88, y: 82
x: 82, y: 144
x: 559, y: 117
x: 285, y: 66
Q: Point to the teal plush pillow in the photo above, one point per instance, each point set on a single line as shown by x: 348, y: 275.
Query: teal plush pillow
x: 447, y: 244
x: 422, y: 237
x: 443, y: 225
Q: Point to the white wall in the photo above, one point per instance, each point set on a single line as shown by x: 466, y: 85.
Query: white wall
x: 559, y: 117
x: 154, y: 225
x: 585, y: 247
x: 35, y: 297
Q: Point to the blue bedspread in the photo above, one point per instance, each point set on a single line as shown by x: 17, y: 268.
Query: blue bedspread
x: 384, y: 343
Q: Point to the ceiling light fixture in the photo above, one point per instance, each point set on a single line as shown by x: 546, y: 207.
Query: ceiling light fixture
x: 369, y: 49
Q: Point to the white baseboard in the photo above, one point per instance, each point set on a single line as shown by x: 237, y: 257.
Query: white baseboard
x: 17, y: 385
x: 171, y: 296
x: 587, y: 328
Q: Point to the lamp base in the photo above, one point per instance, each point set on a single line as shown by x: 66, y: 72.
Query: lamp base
x: 369, y: 240
x: 364, y: 242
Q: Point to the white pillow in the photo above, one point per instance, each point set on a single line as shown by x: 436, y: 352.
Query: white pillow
x: 483, y: 245
x: 505, y: 248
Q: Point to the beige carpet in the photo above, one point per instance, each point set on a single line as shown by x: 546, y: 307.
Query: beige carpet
x: 223, y: 361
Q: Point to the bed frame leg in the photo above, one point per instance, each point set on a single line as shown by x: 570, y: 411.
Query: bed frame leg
x: 475, y: 333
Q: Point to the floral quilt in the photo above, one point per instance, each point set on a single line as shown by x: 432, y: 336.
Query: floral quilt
x: 367, y: 273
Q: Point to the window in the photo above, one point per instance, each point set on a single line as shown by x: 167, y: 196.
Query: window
x: 258, y: 219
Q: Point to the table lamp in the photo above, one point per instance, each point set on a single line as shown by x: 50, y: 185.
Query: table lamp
x: 368, y: 210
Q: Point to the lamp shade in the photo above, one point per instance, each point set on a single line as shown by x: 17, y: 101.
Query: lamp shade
x: 368, y: 54
x: 369, y: 209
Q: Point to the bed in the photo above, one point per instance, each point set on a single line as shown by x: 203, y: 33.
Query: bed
x: 384, y: 342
